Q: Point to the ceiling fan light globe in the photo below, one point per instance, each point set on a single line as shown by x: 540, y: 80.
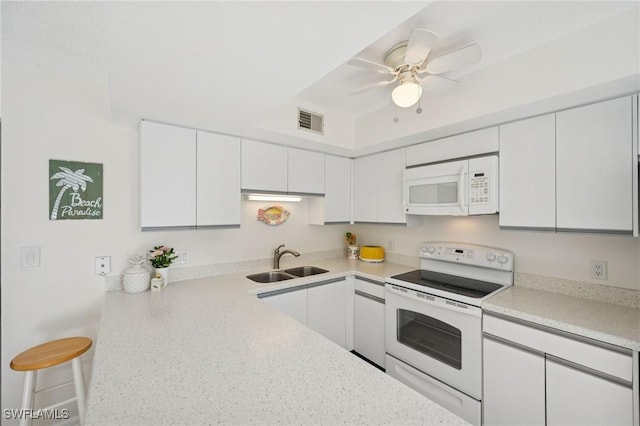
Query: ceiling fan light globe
x: 406, y: 94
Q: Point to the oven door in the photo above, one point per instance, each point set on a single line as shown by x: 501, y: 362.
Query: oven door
x: 438, y: 189
x: 438, y: 336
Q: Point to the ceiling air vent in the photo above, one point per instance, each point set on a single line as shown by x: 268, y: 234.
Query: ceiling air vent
x: 311, y: 121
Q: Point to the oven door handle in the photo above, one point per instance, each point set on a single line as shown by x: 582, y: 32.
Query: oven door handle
x: 437, y: 302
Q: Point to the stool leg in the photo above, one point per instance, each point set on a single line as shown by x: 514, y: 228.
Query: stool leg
x: 28, y: 396
x: 78, y: 382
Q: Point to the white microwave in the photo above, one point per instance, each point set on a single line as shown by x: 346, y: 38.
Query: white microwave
x: 456, y: 188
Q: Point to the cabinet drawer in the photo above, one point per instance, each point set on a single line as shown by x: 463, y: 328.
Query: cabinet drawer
x: 602, y: 357
x: 370, y: 287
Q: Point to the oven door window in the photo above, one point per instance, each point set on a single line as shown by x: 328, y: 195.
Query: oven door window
x: 431, y: 337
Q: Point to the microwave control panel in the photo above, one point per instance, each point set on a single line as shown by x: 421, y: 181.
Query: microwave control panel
x: 482, y: 184
x: 479, y: 187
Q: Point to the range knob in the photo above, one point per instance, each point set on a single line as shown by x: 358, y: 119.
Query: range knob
x: 431, y: 249
x: 502, y: 259
x: 491, y: 257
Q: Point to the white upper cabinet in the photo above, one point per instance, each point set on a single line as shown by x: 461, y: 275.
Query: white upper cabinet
x: 378, y: 189
x: 218, y: 177
x: 188, y: 178
x: 335, y: 207
x: 528, y: 173
x: 595, y: 167
x: 306, y: 170
x: 275, y: 168
x: 365, y: 189
x: 167, y: 176
x: 465, y: 145
x: 264, y: 166
x: 391, y: 167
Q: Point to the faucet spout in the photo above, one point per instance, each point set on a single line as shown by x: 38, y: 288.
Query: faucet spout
x: 277, y: 254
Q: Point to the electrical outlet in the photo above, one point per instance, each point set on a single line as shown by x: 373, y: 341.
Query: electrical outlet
x: 103, y: 265
x: 598, y: 269
x: 183, y: 257
x: 391, y: 244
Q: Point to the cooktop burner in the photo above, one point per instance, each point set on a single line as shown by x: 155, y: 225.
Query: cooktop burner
x: 450, y: 283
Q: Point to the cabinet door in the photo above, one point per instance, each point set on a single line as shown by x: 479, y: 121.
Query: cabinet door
x: 264, y: 166
x: 467, y: 144
x: 528, y: 173
x: 337, y: 196
x: 327, y: 310
x: 167, y: 176
x: 577, y: 397
x: 513, y: 385
x: 292, y: 303
x: 218, y: 177
x: 595, y: 167
x: 365, y: 189
x: 368, y: 323
x: 391, y: 166
x: 306, y: 171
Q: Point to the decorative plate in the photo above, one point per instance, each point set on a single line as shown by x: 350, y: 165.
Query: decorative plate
x: 273, y: 215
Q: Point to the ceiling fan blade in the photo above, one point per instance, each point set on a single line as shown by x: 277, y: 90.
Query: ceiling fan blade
x: 363, y: 63
x: 458, y: 58
x: 437, y: 84
x: 373, y: 86
x: 419, y: 46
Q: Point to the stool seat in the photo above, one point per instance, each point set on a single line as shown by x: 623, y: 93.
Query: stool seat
x: 51, y: 353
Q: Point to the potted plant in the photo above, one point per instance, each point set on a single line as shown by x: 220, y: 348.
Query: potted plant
x: 353, y: 249
x: 161, y: 258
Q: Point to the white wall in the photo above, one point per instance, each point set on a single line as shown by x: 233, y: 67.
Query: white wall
x: 55, y: 115
x: 560, y: 71
x: 542, y: 253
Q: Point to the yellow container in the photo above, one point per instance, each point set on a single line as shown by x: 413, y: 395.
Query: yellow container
x: 372, y: 253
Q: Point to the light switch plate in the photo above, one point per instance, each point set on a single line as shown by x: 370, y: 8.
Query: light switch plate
x: 30, y: 257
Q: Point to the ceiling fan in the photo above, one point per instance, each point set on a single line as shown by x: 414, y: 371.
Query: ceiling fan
x: 407, y: 63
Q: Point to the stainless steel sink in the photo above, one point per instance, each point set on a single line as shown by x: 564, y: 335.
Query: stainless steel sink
x: 287, y: 274
x: 305, y: 271
x: 270, y: 277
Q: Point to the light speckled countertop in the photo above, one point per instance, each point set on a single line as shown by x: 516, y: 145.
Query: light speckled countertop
x: 615, y: 324
x: 207, y: 351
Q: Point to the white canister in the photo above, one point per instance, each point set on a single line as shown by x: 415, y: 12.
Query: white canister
x: 353, y: 252
x: 137, y: 276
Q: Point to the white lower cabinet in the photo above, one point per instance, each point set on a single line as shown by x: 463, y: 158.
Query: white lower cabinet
x: 368, y: 321
x: 326, y: 310
x: 577, y: 396
x: 513, y: 389
x: 535, y: 375
x: 292, y: 302
x: 321, y: 306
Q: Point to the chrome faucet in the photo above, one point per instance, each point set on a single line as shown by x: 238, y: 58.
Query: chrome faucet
x: 277, y: 254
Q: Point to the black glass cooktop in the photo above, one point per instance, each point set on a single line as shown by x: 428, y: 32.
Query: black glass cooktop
x: 451, y: 283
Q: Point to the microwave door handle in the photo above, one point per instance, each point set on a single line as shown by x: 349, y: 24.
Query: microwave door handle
x: 461, y: 190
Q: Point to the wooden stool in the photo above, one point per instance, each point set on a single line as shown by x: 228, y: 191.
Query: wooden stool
x: 47, y: 355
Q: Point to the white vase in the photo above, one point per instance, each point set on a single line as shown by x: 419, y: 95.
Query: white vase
x: 164, y: 274
x: 137, y: 276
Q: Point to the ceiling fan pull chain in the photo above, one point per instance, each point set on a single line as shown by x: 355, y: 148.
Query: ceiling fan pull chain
x: 396, y: 119
x: 419, y: 110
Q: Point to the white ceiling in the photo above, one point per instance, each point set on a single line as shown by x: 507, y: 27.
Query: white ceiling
x: 224, y: 66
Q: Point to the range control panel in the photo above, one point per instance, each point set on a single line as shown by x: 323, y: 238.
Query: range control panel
x: 488, y: 257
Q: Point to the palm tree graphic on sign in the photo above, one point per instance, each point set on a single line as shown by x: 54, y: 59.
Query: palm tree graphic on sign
x: 68, y: 179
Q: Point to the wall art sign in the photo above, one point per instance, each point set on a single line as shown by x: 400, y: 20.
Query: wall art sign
x: 75, y: 190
